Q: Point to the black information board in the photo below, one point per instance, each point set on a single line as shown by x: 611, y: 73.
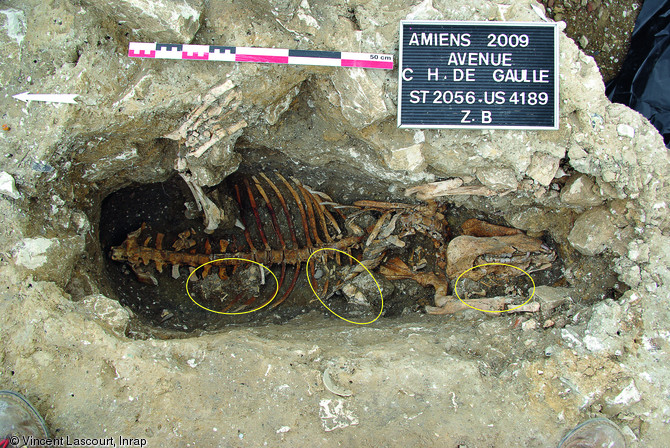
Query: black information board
x: 484, y: 75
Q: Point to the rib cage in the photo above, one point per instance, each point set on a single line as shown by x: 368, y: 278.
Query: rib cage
x: 283, y: 222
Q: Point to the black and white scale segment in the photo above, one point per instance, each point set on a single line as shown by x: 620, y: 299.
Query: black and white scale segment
x: 485, y: 75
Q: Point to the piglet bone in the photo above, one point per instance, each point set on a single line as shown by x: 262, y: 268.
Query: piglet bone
x: 213, y: 214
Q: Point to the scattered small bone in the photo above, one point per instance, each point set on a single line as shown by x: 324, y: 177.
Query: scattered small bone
x: 183, y: 241
x: 532, y: 307
x: 379, y: 246
x: 175, y: 271
x: 283, y: 429
x: 165, y: 316
x: 394, y: 240
x: 548, y: 323
x: 261, y: 269
x: 194, y: 278
x: 211, y: 96
x: 377, y: 228
x: 354, y: 229
x: 389, y: 228
x: 369, y: 264
x: 481, y: 292
x: 332, y: 387
x: 236, y: 127
x: 541, y: 267
x: 218, y: 134
x: 144, y: 277
x: 378, y: 205
x: 479, y: 228
x: 470, y: 190
x: 318, y: 193
x: 494, y: 304
x: 420, y: 265
x: 434, y: 189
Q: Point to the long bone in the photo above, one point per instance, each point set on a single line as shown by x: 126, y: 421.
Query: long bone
x: 213, y: 214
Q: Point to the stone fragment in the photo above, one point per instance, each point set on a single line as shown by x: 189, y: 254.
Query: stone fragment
x: 274, y: 111
x: 576, y: 152
x: 592, y: 232
x: 498, y: 179
x: 409, y: 158
x: 638, y: 251
x: 15, y: 24
x: 551, y: 298
x: 529, y: 325
x: 629, y: 272
x: 581, y: 191
x: 361, y: 100
x: 110, y: 313
x: 166, y: 21
x: 571, y: 338
x: 658, y: 269
x: 31, y: 252
x: 603, y: 332
x: 583, y: 41
x: 625, y: 130
x: 50, y: 259
x: 628, y: 395
x: 7, y: 185
x: 543, y: 168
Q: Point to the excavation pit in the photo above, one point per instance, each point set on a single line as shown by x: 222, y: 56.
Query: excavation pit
x: 159, y: 300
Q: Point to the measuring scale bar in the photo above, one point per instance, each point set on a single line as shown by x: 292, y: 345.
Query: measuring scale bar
x: 258, y: 54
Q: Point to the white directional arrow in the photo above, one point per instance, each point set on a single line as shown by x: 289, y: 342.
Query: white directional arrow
x: 48, y: 97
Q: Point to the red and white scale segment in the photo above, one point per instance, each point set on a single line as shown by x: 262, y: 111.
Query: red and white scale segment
x: 258, y: 54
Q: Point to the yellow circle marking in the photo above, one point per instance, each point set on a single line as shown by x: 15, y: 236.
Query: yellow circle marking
x: 499, y: 264
x: 322, y: 303
x: 241, y: 259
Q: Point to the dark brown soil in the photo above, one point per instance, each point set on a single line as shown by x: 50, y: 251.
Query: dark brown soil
x: 601, y: 28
